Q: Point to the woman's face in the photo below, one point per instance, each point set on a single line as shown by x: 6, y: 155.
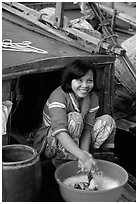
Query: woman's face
x: 82, y: 86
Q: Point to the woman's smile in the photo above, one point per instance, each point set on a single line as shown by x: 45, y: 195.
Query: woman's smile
x: 84, y: 91
x: 82, y: 86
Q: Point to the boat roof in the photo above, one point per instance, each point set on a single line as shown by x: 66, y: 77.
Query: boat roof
x: 58, y: 53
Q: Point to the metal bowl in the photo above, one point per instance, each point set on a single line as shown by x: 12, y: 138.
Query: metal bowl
x: 110, y: 169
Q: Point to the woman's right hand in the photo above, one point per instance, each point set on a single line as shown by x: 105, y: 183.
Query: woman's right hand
x: 87, y: 163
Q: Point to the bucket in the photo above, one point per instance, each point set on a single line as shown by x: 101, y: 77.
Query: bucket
x: 21, y: 173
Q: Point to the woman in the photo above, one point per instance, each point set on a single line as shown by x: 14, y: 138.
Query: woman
x: 70, y: 125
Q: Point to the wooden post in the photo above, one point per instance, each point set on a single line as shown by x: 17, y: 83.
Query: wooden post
x: 113, y: 20
x: 112, y: 5
x: 108, y: 89
x: 59, y: 17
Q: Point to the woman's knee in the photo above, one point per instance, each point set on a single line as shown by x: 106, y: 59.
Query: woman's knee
x: 108, y: 120
x: 102, y: 129
x: 75, y: 123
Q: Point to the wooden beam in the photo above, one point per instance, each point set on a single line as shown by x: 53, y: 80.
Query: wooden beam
x: 59, y: 17
x: 113, y: 20
x: 121, y: 16
x: 62, y: 36
x: 51, y: 64
x: 108, y: 89
x: 113, y: 40
x: 83, y: 41
x: 36, y: 22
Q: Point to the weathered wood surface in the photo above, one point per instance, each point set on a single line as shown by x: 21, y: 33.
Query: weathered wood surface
x: 33, y: 20
x: 129, y: 191
x: 129, y: 195
x: 120, y: 15
x: 62, y: 36
x: 127, y: 76
x: 125, y: 69
x: 71, y: 36
x: 17, y: 63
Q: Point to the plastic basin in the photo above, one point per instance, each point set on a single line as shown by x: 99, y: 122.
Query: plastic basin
x: 110, y: 169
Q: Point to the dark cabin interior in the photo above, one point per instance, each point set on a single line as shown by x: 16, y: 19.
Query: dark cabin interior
x: 33, y: 91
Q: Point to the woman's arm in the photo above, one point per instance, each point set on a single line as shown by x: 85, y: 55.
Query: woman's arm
x: 70, y: 145
x: 87, y: 136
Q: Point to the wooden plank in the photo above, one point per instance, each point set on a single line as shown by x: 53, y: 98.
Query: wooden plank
x: 47, y: 65
x: 128, y: 195
x: 62, y: 36
x: 39, y: 63
x: 84, y: 44
x: 95, y: 41
x: 120, y: 30
x: 54, y: 31
x: 121, y: 16
x: 43, y: 32
x: 108, y: 89
x: 23, y: 9
x: 132, y: 181
x: 39, y: 5
x: 125, y: 124
x: 36, y: 22
x: 6, y: 88
x: 124, y: 60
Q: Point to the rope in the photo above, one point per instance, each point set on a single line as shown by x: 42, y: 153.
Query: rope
x: 110, y: 36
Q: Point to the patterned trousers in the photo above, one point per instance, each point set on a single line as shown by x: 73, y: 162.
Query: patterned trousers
x: 102, y: 133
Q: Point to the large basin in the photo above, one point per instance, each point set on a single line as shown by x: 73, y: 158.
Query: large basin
x: 70, y: 194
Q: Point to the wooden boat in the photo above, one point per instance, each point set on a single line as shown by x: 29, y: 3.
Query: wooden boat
x: 123, y: 22
x: 29, y: 77
x: 22, y: 69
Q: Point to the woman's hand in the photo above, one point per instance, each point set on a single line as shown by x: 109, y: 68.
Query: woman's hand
x: 87, y: 163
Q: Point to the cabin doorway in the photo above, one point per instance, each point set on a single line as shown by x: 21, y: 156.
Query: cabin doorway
x: 30, y: 95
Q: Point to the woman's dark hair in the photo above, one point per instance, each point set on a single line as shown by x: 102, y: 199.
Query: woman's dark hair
x: 76, y: 70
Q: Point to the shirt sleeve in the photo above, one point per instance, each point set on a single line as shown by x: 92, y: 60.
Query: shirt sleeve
x: 90, y: 117
x: 57, y: 106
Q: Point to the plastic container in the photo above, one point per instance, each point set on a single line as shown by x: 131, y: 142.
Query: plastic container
x: 21, y: 173
x: 110, y: 169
